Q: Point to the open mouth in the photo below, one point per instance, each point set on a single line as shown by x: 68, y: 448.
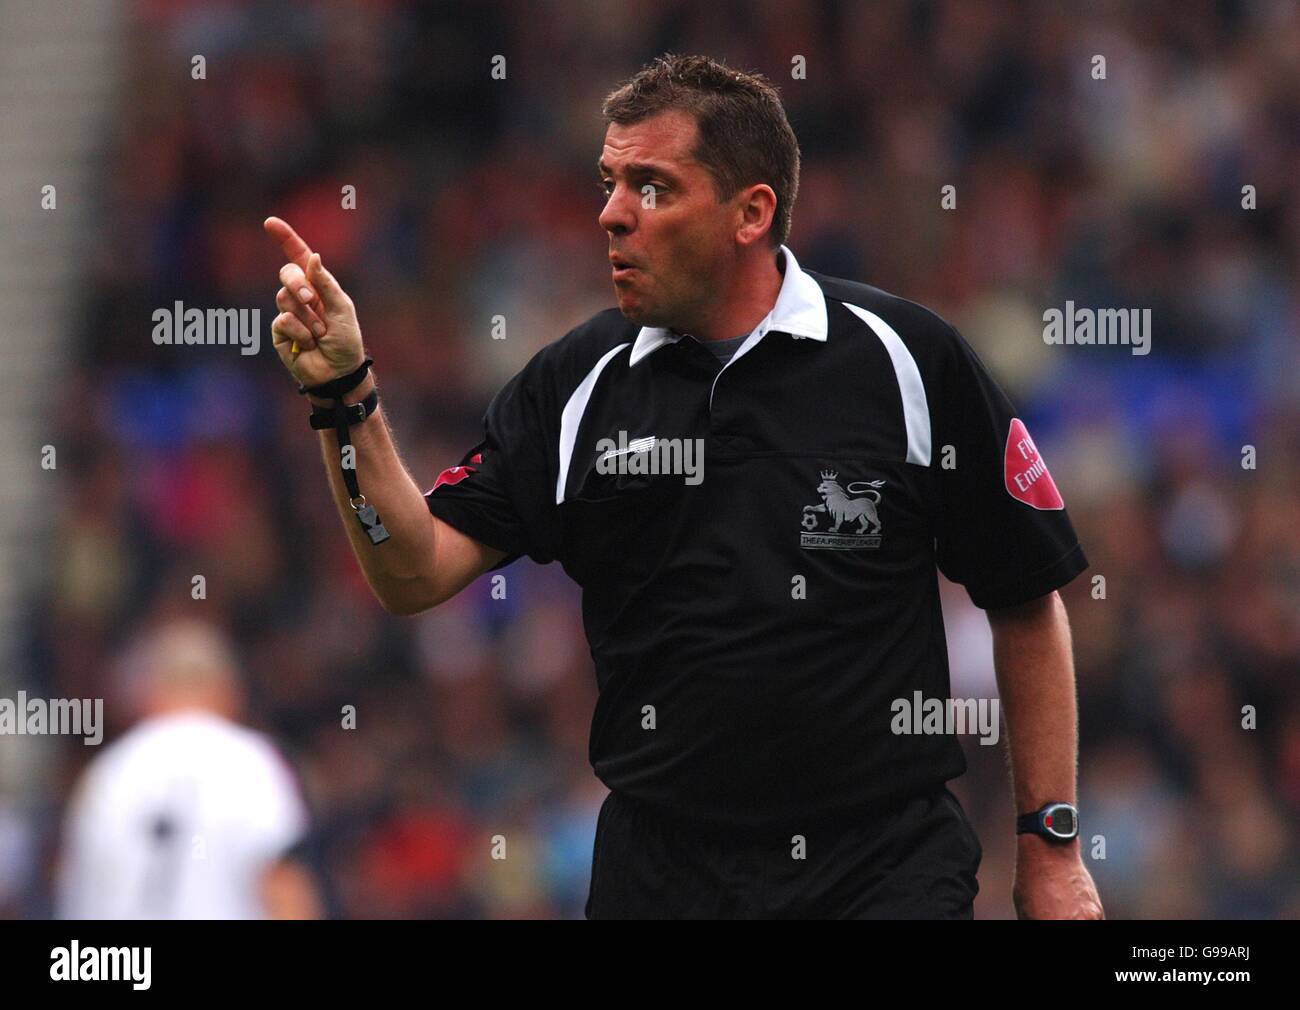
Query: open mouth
x: 621, y: 268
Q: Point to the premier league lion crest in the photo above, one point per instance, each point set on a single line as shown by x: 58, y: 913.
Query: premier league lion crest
x: 855, y: 505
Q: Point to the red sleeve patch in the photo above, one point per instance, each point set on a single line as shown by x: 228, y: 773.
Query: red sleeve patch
x: 453, y: 475
x: 1026, y: 473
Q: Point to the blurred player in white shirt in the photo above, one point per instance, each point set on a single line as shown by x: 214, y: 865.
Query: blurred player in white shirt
x: 188, y: 815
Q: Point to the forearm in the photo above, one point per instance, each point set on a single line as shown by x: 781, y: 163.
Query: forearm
x: 423, y: 561
x: 398, y: 567
x: 1035, y: 673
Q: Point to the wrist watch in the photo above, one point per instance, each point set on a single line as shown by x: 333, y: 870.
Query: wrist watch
x: 1057, y: 822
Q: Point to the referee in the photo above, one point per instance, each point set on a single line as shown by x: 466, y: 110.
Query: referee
x: 754, y: 471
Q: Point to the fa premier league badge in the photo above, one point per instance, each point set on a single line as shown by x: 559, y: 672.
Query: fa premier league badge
x: 852, y: 510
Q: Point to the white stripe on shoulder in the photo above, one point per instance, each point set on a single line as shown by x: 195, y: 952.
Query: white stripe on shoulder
x: 916, y: 412
x: 571, y: 418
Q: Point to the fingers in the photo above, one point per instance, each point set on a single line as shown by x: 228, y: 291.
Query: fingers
x: 288, y: 329
x: 295, y: 249
x: 293, y: 278
x: 333, y: 297
x: 286, y: 302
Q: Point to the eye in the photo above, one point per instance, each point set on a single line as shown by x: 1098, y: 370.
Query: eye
x: 605, y: 186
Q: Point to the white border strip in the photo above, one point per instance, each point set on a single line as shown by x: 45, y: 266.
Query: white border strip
x: 571, y: 419
x: 916, y: 411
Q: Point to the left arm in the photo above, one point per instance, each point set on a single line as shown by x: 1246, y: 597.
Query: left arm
x: 1035, y: 672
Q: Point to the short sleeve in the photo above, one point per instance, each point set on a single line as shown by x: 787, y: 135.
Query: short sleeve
x: 501, y: 493
x: 274, y: 815
x: 1003, y: 531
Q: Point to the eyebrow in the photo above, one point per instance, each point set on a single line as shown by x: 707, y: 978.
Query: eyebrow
x: 638, y: 168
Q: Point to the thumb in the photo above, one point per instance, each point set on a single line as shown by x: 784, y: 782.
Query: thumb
x: 331, y: 295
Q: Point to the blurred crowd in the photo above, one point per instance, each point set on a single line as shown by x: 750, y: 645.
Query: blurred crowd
x: 477, y: 198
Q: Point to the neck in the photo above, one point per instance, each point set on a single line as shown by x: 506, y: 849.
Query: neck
x: 750, y: 291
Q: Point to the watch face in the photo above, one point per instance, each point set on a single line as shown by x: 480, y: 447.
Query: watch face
x: 1062, y: 821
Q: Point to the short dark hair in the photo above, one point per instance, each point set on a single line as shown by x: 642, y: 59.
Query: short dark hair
x: 744, y: 136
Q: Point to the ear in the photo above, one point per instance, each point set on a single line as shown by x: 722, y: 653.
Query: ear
x: 755, y: 208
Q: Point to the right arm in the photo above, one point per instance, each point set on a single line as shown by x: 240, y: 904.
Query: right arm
x: 287, y: 891
x: 425, y: 561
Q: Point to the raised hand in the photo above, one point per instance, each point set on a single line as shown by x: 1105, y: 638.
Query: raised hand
x: 316, y: 333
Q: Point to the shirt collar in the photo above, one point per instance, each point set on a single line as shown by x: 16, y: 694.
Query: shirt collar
x: 800, y: 310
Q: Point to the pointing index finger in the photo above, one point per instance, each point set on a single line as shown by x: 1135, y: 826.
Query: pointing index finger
x: 294, y: 248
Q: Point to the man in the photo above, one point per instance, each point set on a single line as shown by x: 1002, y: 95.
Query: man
x: 750, y: 641
x: 189, y: 815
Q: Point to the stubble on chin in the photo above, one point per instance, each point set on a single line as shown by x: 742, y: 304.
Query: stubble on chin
x: 637, y: 312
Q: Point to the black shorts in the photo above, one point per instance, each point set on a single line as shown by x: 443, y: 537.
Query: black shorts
x: 916, y: 860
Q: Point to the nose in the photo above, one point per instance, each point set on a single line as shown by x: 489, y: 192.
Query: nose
x: 619, y: 215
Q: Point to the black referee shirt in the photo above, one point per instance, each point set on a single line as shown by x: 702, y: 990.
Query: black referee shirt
x: 751, y: 629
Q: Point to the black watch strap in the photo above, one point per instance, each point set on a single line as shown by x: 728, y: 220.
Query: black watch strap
x: 1027, y: 824
x: 323, y: 417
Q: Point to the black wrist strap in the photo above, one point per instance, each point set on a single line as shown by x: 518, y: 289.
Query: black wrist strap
x: 323, y: 417
x: 340, y: 416
x: 337, y: 387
